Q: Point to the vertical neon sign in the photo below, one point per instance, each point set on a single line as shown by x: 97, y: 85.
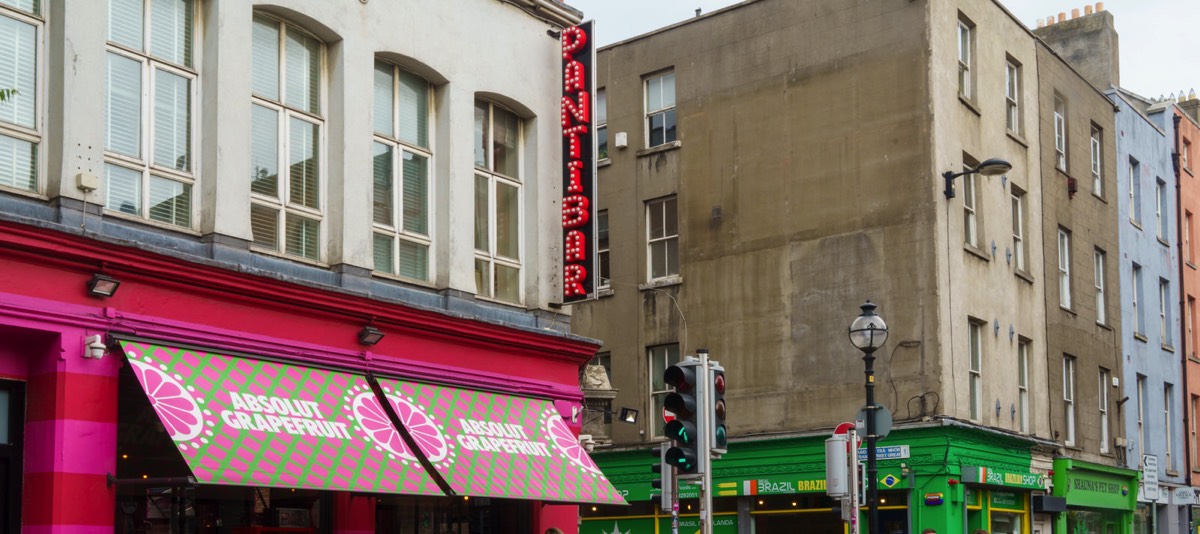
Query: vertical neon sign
x: 579, y: 164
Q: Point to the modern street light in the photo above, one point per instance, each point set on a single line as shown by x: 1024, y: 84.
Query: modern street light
x: 868, y: 332
x: 989, y: 167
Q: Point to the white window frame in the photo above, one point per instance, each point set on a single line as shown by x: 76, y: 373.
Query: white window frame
x: 1069, y: 399
x: 1139, y: 323
x: 1023, y: 385
x: 1012, y: 96
x: 1141, y: 413
x: 1018, y: 230
x: 657, y: 396
x: 1194, y: 430
x: 1135, y: 193
x: 1098, y: 259
x: 1191, y: 329
x: 1169, y: 449
x: 602, y: 148
x: 395, y: 230
x: 671, y: 241
x: 31, y: 134
x: 1160, y: 215
x: 1064, y: 268
x: 970, y: 211
x: 1189, y: 255
x: 1164, y: 312
x: 1060, y: 133
x: 1097, y: 161
x: 144, y: 164
x: 1185, y: 155
x: 281, y: 203
x: 603, y: 235
x: 1105, y: 380
x: 975, y: 369
x: 966, y: 45
x: 663, y: 109
x: 495, y: 179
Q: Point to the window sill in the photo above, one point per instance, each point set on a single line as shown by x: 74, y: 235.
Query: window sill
x: 673, y: 280
x: 1168, y: 348
x: 1018, y: 138
x: 660, y: 148
x: 1193, y: 358
x: 1099, y: 197
x: 1189, y: 171
x: 605, y: 292
x: 287, y: 257
x: 404, y: 279
x: 1140, y: 337
x: 1104, y: 326
x: 970, y: 105
x: 1190, y: 264
x: 1172, y: 473
x: 1135, y: 224
x: 603, y: 163
x: 28, y: 193
x: 1163, y: 242
x: 1028, y: 278
x: 161, y: 225
x: 977, y: 252
x: 1068, y: 310
x: 494, y: 300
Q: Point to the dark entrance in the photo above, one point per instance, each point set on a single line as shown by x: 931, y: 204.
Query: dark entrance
x: 12, y: 434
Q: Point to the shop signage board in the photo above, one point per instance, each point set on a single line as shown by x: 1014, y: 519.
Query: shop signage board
x: 1095, y: 489
x: 488, y: 444
x: 1183, y: 495
x: 579, y: 163
x: 974, y: 474
x: 722, y: 524
x: 246, y: 422
x: 1008, y: 500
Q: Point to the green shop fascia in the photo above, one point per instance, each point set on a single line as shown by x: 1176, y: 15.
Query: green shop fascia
x: 1099, y: 498
x: 944, y: 475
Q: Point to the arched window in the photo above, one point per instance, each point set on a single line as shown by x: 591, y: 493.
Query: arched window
x: 150, y: 102
x: 286, y: 123
x: 401, y: 162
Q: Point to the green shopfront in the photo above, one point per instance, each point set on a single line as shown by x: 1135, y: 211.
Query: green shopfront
x: 945, y: 476
x: 1100, y: 499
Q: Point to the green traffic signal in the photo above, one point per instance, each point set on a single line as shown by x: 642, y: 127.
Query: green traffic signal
x: 683, y: 459
x: 683, y: 432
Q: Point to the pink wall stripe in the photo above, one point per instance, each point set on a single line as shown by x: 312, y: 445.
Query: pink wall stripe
x: 66, y: 529
x: 69, y: 446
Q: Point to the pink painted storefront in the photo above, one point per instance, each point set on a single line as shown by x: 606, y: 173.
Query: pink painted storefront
x: 216, y: 401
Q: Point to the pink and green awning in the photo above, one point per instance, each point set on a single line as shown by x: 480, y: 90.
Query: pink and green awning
x: 249, y: 422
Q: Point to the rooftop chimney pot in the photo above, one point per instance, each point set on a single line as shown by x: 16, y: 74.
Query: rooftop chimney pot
x: 1075, y: 13
x: 1062, y: 16
x: 1039, y: 22
x: 1087, y: 10
x: 1099, y: 7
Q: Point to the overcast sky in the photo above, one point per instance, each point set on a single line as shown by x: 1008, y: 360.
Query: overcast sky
x: 1153, y: 33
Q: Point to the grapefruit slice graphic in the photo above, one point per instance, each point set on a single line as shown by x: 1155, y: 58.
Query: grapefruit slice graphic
x: 375, y: 425
x: 566, y: 443
x: 176, y: 408
x: 423, y: 430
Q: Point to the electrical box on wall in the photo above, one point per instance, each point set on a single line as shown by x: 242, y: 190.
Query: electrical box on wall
x: 621, y: 140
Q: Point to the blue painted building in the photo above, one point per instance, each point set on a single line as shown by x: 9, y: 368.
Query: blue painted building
x: 1150, y: 388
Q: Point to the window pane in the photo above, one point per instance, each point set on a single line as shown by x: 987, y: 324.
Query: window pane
x: 602, y: 143
x: 381, y: 165
x: 264, y: 147
x: 125, y: 22
x: 507, y: 283
x: 668, y: 91
x: 481, y: 132
x: 383, y: 98
x: 658, y: 259
x: 303, y: 235
x: 303, y: 163
x: 601, y: 106
x: 483, y: 278
x: 414, y: 109
x: 264, y: 79
x: 171, y: 31
x: 656, y: 220
x: 507, y: 222
x: 672, y: 251
x: 30, y: 6
x: 124, y: 188
x: 124, y: 133
x: 670, y: 217
x: 264, y: 226
x: 654, y: 94
x: 18, y: 163
x: 504, y: 145
x: 170, y: 202
x: 416, y: 194
x: 414, y: 260
x: 482, y: 233
x: 383, y: 254
x: 669, y: 126
x: 172, y: 121
x: 18, y: 70
x: 656, y: 129
x: 303, y: 71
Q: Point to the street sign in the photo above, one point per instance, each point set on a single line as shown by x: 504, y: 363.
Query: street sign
x: 845, y: 428
x: 668, y: 416
x: 895, y: 452
x: 883, y: 420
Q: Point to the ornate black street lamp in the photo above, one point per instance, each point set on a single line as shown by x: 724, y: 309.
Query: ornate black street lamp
x: 868, y: 332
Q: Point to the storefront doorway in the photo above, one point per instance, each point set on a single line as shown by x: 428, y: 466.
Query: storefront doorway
x: 12, y: 432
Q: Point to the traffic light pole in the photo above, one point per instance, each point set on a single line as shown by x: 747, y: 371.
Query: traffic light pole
x: 705, y: 400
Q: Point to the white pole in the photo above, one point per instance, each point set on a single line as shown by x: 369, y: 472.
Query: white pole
x: 704, y: 421
x: 852, y: 474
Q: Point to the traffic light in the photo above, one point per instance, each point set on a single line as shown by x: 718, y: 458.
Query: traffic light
x: 685, y: 404
x: 718, y: 441
x: 664, y: 471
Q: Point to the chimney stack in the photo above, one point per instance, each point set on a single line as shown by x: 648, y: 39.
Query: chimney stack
x: 1089, y: 43
x: 1087, y: 10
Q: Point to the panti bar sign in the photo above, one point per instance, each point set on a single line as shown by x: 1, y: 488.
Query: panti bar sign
x: 579, y: 164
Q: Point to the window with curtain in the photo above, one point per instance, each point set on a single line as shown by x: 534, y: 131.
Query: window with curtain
x: 21, y: 28
x: 285, y: 138
x: 401, y: 162
x: 150, y: 94
x: 497, y: 202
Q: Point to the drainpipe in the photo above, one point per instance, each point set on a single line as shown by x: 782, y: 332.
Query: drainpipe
x: 1183, y: 339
